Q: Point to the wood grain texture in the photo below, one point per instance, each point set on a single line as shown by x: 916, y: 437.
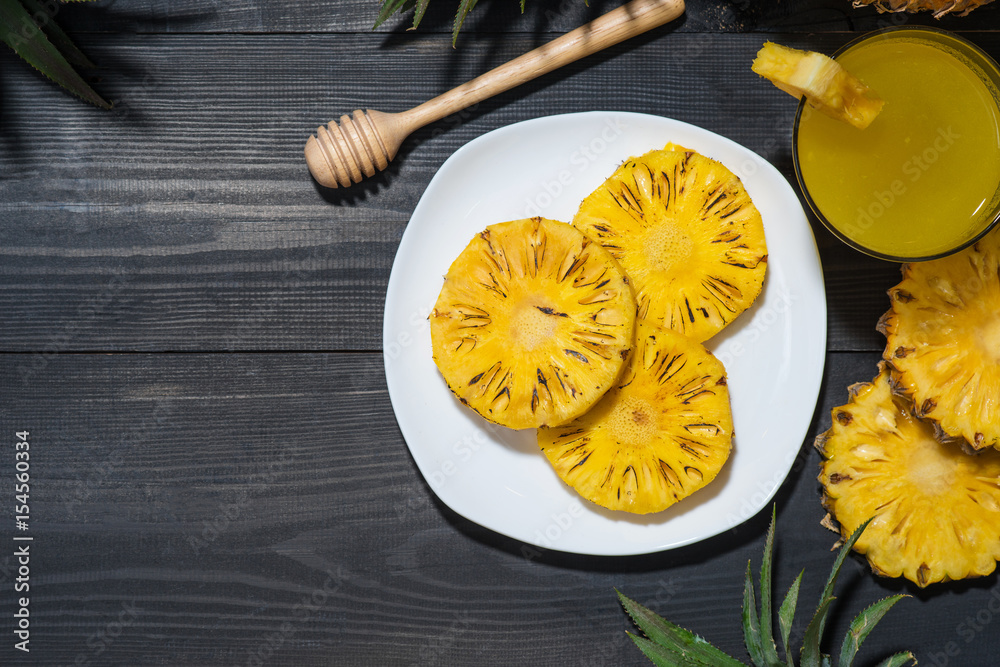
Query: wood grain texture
x: 203, y: 509
x: 186, y: 220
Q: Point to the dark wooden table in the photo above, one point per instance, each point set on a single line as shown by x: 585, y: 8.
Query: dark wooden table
x: 192, y: 328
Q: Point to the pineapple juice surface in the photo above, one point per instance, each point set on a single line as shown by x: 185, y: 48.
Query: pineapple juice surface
x: 922, y: 179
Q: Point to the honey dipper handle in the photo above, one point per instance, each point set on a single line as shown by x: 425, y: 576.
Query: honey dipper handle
x: 634, y: 18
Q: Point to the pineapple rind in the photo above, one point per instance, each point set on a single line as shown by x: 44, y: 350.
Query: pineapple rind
x: 533, y: 323
x: 943, y: 339
x: 938, y: 7
x: 687, y: 234
x: 663, y: 432
x: 936, y: 508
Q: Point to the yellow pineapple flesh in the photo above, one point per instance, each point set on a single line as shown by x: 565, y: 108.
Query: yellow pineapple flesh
x: 663, y: 432
x: 936, y: 508
x: 938, y: 7
x: 687, y: 234
x: 943, y: 339
x: 533, y: 323
x: 825, y: 84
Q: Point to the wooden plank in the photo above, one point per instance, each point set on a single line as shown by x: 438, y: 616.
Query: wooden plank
x: 186, y: 220
x: 500, y: 16
x: 227, y: 508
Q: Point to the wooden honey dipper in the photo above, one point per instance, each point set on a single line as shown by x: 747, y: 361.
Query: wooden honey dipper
x: 346, y: 153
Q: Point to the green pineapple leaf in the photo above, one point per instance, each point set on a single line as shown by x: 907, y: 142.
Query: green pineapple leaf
x: 390, y: 7
x: 861, y: 626
x: 668, y: 645
x: 898, y: 660
x: 751, y: 624
x: 463, y: 10
x: 786, y: 613
x: 811, y: 655
x: 768, y: 649
x: 673, y: 639
x: 21, y: 32
x: 59, y: 39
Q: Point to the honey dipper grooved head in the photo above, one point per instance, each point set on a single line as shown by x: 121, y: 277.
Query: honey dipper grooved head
x: 345, y: 153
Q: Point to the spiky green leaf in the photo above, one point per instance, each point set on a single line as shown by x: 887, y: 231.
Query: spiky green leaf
x: 663, y: 656
x: 20, y: 32
x: 769, y: 651
x: 59, y: 39
x: 786, y: 613
x: 419, y: 11
x: 863, y: 624
x: 675, y: 638
x: 811, y: 656
x: 751, y: 624
x: 390, y: 7
x: 464, y: 7
x: 898, y: 660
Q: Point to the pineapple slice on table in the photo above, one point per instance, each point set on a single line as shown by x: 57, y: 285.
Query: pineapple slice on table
x: 824, y: 83
x: 943, y: 339
x: 936, y: 508
x: 687, y: 234
x: 939, y: 7
x: 533, y: 323
x: 663, y: 432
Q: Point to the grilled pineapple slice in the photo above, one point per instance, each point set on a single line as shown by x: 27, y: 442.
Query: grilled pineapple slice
x: 939, y: 7
x: 533, y: 323
x: 943, y: 338
x: 936, y: 508
x: 824, y: 83
x: 688, y: 236
x: 663, y: 432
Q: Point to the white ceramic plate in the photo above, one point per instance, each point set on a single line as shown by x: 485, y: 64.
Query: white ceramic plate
x: 498, y: 478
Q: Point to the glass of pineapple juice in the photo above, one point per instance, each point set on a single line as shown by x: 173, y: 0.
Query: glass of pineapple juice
x: 923, y: 180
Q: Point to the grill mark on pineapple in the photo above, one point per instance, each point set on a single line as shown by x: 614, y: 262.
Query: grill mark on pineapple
x: 550, y: 311
x: 463, y: 340
x: 710, y: 205
x: 694, y: 448
x: 583, y: 460
x: 668, y: 371
x: 722, y: 290
x: 668, y: 474
x: 608, y: 477
x: 502, y: 395
x: 577, y: 355
x: 544, y: 383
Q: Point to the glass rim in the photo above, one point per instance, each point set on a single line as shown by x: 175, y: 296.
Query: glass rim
x: 875, y: 34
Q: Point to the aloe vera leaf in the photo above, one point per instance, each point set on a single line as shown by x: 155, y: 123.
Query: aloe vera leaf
x: 768, y: 648
x: 786, y: 613
x: 390, y: 7
x: 811, y: 656
x: 863, y: 624
x: 814, y: 632
x: 751, y: 625
x: 898, y: 660
x: 59, y: 39
x: 664, y: 633
x: 19, y: 31
x: 463, y: 10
